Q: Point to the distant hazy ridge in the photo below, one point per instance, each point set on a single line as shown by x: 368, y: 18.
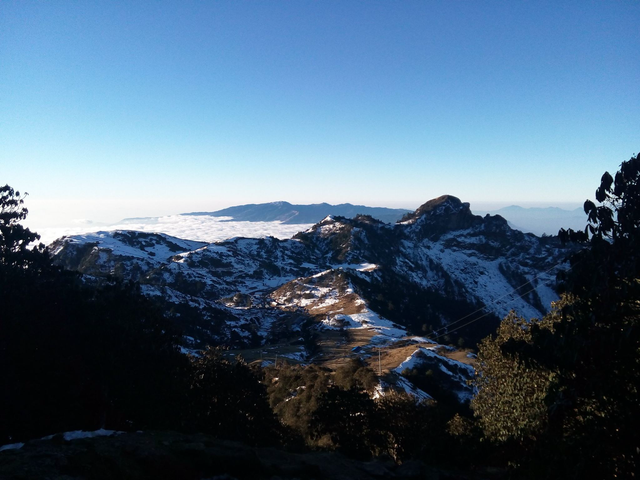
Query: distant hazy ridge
x: 532, y: 220
x: 296, y: 214
x: 541, y: 220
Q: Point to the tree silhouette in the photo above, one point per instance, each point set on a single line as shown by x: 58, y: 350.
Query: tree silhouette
x: 346, y: 417
x: 73, y: 356
x: 228, y: 400
x: 595, y: 347
x: 15, y: 239
x: 585, y: 357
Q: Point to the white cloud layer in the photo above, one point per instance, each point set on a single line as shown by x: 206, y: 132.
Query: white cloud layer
x: 201, y: 228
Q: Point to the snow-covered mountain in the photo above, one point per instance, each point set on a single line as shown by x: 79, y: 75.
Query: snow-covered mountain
x: 439, y: 265
x: 343, y: 287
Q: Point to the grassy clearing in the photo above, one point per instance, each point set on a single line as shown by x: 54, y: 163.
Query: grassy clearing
x: 337, y: 348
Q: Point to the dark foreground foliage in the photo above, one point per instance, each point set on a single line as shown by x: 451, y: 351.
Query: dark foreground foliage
x: 559, y: 396
x: 74, y: 356
x: 336, y: 411
x: 178, y: 456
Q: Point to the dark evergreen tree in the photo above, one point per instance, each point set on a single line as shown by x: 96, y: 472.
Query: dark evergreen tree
x: 228, y: 400
x: 346, y: 418
x: 294, y: 392
x: 595, y: 345
x: 355, y: 374
x: 404, y: 426
x: 73, y: 356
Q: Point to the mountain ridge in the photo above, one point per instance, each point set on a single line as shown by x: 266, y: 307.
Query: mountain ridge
x: 286, y: 212
x: 539, y: 221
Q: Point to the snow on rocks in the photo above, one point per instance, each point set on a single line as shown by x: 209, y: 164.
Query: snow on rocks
x: 411, y: 389
x: 459, y: 373
x: 67, y: 436
x: 12, y: 446
x: 331, y: 294
x: 76, y: 434
x: 134, y: 244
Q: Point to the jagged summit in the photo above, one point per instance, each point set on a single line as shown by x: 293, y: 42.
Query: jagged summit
x: 327, y: 219
x: 448, y: 213
x: 443, y: 203
x: 440, y: 205
x: 439, y: 216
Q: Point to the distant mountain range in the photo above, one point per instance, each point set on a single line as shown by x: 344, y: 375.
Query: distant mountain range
x: 286, y: 212
x: 529, y: 220
x: 541, y: 220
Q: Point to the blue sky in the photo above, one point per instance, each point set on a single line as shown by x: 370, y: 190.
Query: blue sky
x: 115, y: 109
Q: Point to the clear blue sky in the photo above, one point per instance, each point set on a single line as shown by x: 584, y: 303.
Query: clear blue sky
x: 112, y: 109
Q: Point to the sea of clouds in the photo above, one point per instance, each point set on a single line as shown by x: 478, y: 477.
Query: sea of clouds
x: 188, y: 227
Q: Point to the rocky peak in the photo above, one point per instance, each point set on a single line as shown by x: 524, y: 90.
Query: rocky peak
x: 327, y: 227
x: 441, y: 215
x: 327, y: 219
x: 443, y: 204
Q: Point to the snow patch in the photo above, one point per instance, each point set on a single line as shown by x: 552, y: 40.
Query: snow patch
x: 68, y: 436
x: 458, y: 371
x: 11, y: 446
x: 76, y: 434
x: 408, y: 387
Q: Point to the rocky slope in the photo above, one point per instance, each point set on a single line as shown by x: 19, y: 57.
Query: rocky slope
x: 170, y: 455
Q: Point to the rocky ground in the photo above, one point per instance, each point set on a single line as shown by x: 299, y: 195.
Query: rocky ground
x: 170, y: 455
